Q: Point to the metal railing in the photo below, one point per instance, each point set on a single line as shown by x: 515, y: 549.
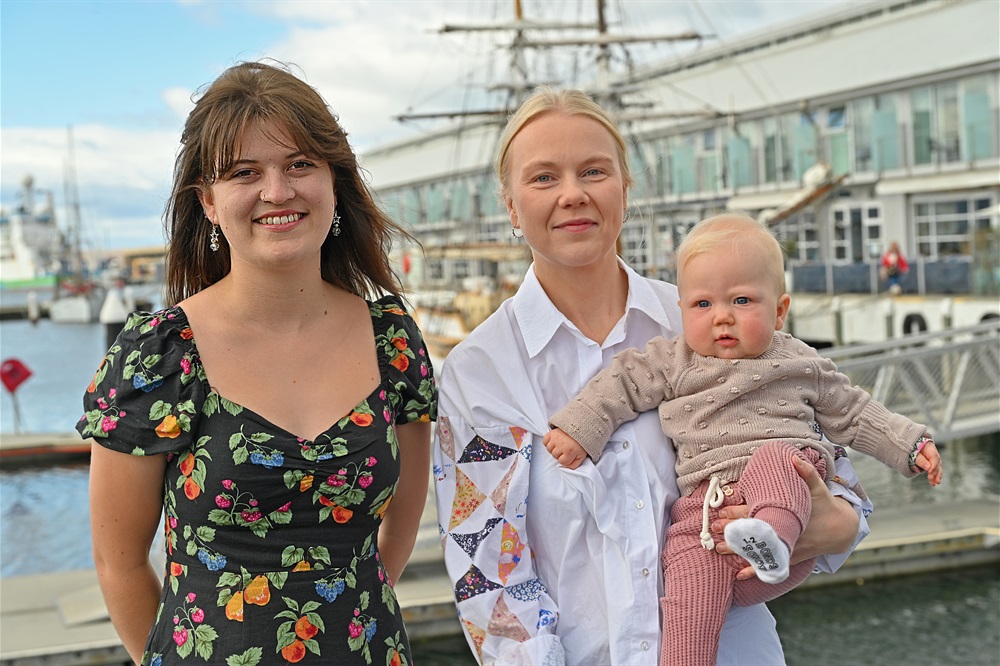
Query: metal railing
x: 948, y: 380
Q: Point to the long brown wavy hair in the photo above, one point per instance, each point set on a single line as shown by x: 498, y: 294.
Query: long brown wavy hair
x: 252, y: 92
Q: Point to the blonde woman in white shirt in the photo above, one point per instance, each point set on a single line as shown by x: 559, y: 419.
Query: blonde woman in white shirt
x: 550, y: 565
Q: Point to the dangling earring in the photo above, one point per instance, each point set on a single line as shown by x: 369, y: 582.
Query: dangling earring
x: 335, y: 229
x: 513, y: 232
x: 213, y: 238
x: 627, y: 215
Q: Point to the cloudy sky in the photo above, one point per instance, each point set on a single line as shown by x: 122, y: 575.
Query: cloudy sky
x: 122, y: 73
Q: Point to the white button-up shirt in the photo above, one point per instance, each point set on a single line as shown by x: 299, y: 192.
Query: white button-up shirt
x: 567, y: 581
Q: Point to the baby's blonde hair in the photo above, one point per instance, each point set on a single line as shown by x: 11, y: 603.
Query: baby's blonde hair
x: 740, y: 234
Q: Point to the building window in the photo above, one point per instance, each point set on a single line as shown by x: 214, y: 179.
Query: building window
x: 773, y: 164
x: 436, y: 202
x: 802, y: 152
x: 948, y: 144
x: 923, y: 136
x: 435, y: 269
x: 635, y: 248
x: 838, y: 141
x: 836, y: 117
x: 857, y: 231
x: 460, y: 204
x: 946, y: 226
x: 936, y: 124
x: 862, y: 111
x: 661, y: 165
x: 708, y: 163
x: 799, y: 237
x: 412, y: 208
x: 739, y: 156
x: 885, y: 133
x: 488, y: 203
x: 979, y: 107
x: 643, y: 175
x: 682, y: 164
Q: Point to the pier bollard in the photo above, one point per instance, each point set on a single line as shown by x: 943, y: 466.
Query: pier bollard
x: 113, y: 315
x: 34, y: 311
x: 890, y: 318
x: 128, y: 295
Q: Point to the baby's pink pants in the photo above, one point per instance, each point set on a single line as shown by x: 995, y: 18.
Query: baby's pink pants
x: 701, y: 584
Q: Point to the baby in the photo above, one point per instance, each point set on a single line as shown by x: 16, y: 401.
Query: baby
x: 740, y: 400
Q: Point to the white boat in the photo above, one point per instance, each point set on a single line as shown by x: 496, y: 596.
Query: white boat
x: 31, y: 242
x: 846, y: 130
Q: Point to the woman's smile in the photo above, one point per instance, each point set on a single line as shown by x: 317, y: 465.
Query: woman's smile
x: 283, y: 220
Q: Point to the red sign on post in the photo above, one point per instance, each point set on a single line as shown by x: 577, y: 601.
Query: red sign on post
x: 13, y: 373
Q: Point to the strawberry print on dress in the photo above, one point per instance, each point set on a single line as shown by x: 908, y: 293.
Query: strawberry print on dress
x: 271, y: 540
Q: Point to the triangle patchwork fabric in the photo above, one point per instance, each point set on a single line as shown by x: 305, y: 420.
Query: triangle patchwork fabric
x: 505, y: 623
x: 479, y: 450
x: 499, y: 494
x: 511, y: 547
x: 470, y: 542
x: 526, y: 591
x: 467, y: 499
x: 446, y: 436
x: 474, y: 583
x: 478, y: 635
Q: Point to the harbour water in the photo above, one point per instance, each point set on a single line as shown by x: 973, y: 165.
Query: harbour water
x: 947, y: 618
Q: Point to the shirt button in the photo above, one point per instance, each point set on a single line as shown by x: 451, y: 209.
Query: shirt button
x: 645, y: 572
x: 625, y: 445
x: 640, y: 504
x: 644, y: 645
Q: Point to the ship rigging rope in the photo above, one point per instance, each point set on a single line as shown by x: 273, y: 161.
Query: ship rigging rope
x: 739, y: 65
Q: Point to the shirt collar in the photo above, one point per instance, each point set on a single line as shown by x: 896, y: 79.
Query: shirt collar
x: 538, y: 319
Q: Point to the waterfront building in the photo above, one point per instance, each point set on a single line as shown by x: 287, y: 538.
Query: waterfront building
x: 847, y: 130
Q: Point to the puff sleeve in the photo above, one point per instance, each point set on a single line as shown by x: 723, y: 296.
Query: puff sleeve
x: 410, y: 373
x: 149, y: 390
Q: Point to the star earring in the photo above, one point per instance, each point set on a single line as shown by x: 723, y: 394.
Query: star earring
x: 335, y: 229
x: 213, y: 238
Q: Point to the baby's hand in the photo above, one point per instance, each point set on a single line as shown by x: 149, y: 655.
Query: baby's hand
x: 564, y: 448
x: 929, y: 460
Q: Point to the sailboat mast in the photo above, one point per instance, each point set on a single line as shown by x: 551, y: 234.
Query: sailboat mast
x: 73, y: 205
x: 604, y: 55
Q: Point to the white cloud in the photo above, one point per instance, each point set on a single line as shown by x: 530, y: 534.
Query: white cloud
x: 104, y: 156
x: 179, y: 101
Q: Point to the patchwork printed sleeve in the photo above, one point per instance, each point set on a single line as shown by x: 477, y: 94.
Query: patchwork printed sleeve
x: 148, y: 391
x: 481, y: 483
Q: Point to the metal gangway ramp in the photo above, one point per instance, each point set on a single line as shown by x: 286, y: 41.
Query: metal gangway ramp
x: 948, y: 380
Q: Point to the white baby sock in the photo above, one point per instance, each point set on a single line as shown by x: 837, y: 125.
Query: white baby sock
x: 758, y: 543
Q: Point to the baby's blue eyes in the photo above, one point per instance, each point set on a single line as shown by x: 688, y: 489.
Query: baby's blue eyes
x: 739, y: 300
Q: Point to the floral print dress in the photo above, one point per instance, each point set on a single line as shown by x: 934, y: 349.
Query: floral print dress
x: 272, y: 553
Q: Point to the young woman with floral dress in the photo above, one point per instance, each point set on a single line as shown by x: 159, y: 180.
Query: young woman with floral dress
x: 275, y: 415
